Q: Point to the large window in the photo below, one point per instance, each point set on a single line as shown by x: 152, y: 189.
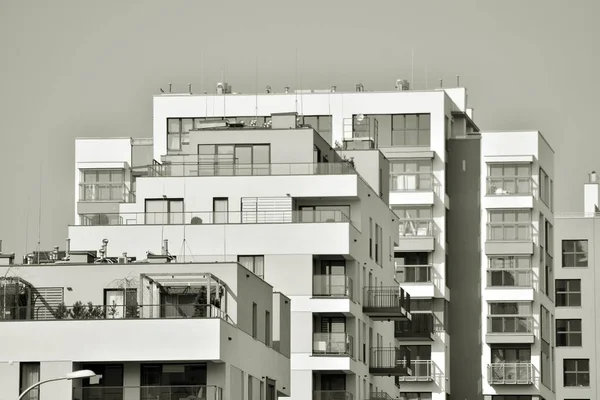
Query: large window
x: 234, y: 159
x: 568, y: 332
x: 255, y: 264
x: 102, y: 185
x: 574, y: 253
x: 411, y: 130
x: 505, y: 179
x: 576, y: 372
x: 411, y: 175
x: 510, y: 271
x: 415, y: 221
x: 29, y: 375
x: 164, y: 211
x: 254, y: 320
x: 511, y: 355
x: 513, y: 317
x: 320, y: 123
x: 509, y: 225
x: 568, y: 292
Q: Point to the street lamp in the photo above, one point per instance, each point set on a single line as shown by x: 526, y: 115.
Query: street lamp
x: 84, y: 373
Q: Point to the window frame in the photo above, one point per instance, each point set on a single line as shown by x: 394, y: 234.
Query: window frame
x: 576, y: 372
x: 568, y: 332
x: 574, y: 252
x: 567, y: 292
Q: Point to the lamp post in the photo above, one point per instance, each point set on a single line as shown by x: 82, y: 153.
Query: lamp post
x: 84, y: 373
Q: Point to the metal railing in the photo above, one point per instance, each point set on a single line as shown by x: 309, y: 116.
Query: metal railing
x: 414, y: 273
x: 177, y: 392
x: 420, y: 326
x: 509, y: 231
x: 510, y: 324
x: 94, y: 312
x: 416, y: 227
x: 332, y: 395
x: 411, y: 182
x: 379, y: 396
x: 333, y: 286
x: 520, y: 373
x: 214, y: 217
x: 333, y: 343
x: 386, y: 297
x: 509, y: 185
x: 230, y: 168
x: 509, y: 277
x: 421, y: 370
x: 390, y: 358
x: 117, y: 192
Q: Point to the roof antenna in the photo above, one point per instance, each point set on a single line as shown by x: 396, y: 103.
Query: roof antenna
x: 426, y: 78
x: 441, y: 83
x: 39, y: 218
x: 170, y: 87
x: 412, y: 68
x: 296, y: 80
x: 256, y: 88
x: 457, y: 81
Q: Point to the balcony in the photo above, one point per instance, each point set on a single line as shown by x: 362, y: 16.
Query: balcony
x: 333, y: 286
x: 147, y: 392
x: 422, y: 371
x: 333, y: 344
x: 509, y: 192
x: 412, y: 188
x: 520, y: 373
x: 379, y: 396
x: 105, y: 192
x: 386, y: 303
x: 420, y: 327
x: 332, y: 395
x: 385, y: 361
x: 509, y: 284
x: 214, y: 217
x: 509, y: 238
x: 414, y: 273
x: 510, y: 329
x: 416, y: 235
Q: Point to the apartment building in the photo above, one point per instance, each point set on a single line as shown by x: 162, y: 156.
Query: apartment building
x: 577, y: 304
x: 149, y: 328
x: 276, y: 197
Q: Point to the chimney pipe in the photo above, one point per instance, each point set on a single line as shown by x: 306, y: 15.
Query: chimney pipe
x: 103, y: 250
x: 333, y: 89
x: 0, y: 246
x: 68, y: 248
x: 170, y: 86
x: 593, y: 179
x: 457, y: 81
x: 165, y: 249
x: 190, y: 88
x: 125, y: 257
x: 441, y: 83
x: 55, y: 253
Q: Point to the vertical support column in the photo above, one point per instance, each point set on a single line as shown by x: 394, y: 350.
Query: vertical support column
x: 131, y: 380
x: 59, y: 389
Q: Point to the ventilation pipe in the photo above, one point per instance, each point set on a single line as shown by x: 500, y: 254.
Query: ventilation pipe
x: 165, y: 248
x: 103, y: 250
x: 125, y: 258
x: 68, y: 248
x: 287, y: 89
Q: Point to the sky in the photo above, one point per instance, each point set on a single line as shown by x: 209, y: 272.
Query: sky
x: 73, y: 69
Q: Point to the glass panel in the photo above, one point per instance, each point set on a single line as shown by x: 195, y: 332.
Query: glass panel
x: 187, y: 124
x: 411, y: 121
x: 173, y: 125
x: 243, y: 160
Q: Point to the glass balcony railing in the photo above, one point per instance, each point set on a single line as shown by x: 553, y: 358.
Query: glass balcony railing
x: 419, y: 327
x: 333, y: 286
x: 411, y: 182
x: 414, y: 273
x: 105, y: 192
x: 229, y: 168
x: 332, y: 395
x: 421, y: 370
x: 178, y: 392
x: 210, y: 217
x: 379, y: 396
x: 519, y: 373
x: 333, y: 343
x: 509, y: 185
x: 510, y: 324
x: 509, y: 231
x: 509, y: 277
x: 416, y: 227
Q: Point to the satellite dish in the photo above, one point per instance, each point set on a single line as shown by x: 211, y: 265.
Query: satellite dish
x: 360, y: 117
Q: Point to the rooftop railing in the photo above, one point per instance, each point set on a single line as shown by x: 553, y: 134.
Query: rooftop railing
x: 422, y: 227
x: 333, y: 343
x: 105, y: 192
x: 212, y: 168
x: 509, y: 186
x: 332, y: 395
x: 411, y: 182
x: 214, y: 217
x: 333, y: 286
x: 509, y: 231
x: 509, y: 277
x: 510, y: 324
x: 520, y: 373
x: 176, y: 392
x: 414, y: 273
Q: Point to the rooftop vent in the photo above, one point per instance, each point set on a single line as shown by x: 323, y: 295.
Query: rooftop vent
x: 268, y: 89
x: 360, y: 87
x: 286, y: 89
x: 333, y: 89
x: 402, y: 84
x: 223, y: 88
x: 593, y: 177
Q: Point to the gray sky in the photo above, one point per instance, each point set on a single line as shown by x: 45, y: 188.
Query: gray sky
x: 76, y: 68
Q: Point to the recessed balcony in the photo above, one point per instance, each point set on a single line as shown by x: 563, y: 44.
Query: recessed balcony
x: 509, y: 192
x: 332, y: 395
x: 336, y: 286
x: 333, y: 344
x: 421, y: 371
x: 519, y: 373
x: 509, y: 284
x: 412, y: 188
x: 197, y: 392
x: 512, y: 238
x: 386, y: 361
x: 419, y: 328
x: 105, y: 192
x: 510, y: 329
x: 386, y: 303
x: 416, y: 234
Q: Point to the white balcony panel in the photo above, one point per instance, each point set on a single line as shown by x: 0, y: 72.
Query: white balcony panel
x: 303, y: 361
x: 419, y: 289
x: 508, y: 159
x: 508, y: 294
x: 508, y: 201
x: 323, y: 305
x: 412, y: 198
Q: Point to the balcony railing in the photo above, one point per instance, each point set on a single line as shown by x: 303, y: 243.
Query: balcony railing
x: 416, y: 227
x: 414, y: 273
x: 97, y: 392
x: 510, y: 324
x: 411, y: 182
x: 333, y: 343
x: 105, y: 192
x: 333, y: 286
x: 421, y: 370
x: 509, y: 185
x: 418, y: 328
x: 509, y: 277
x: 95, y: 312
x: 386, y: 297
x: 379, y: 396
x: 228, y: 168
x: 509, y: 231
x: 217, y: 217
x: 520, y: 373
x: 332, y: 395
x: 390, y: 361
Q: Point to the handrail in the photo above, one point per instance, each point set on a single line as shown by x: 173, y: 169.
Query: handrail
x: 333, y: 343
x: 332, y: 395
x: 105, y: 192
x: 509, y: 277
x: 198, y: 392
x: 420, y: 370
x: 411, y: 181
x: 509, y: 185
x: 510, y: 373
x: 386, y: 297
x: 414, y: 273
x: 328, y: 285
x: 409, y: 227
x: 510, y: 324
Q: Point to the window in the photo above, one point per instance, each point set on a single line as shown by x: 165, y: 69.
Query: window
x: 507, y: 271
x: 164, y: 211
x: 255, y: 264
x: 415, y: 396
x: 576, y: 372
x: 513, y: 397
x: 103, y: 185
x: 378, y: 244
x: 421, y: 305
x: 545, y: 187
x: 320, y: 123
x: 234, y: 159
x: 250, y: 390
x: 413, y: 267
x: 574, y: 253
x: 513, y: 317
x: 220, y: 210
x: 371, y: 238
x: 415, y: 221
x: 568, y: 292
x: 268, y: 328
x: 121, y: 303
x: 29, y: 375
x: 254, y: 320
x: 546, y: 324
x: 568, y: 332
x: 510, y: 225
x: 507, y: 179
x: 411, y: 175
x: 511, y: 355
x: 411, y: 130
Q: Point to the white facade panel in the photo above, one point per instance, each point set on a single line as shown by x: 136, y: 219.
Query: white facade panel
x: 509, y: 294
x: 413, y: 198
x: 507, y: 202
